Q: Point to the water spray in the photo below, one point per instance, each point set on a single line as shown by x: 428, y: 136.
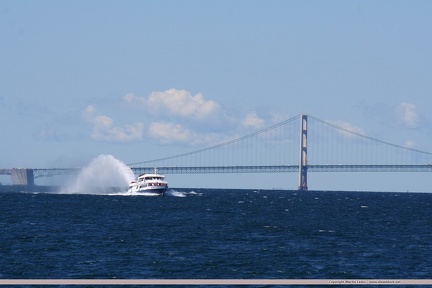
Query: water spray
x: 100, y: 176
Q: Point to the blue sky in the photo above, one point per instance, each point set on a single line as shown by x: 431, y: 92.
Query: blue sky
x: 146, y: 79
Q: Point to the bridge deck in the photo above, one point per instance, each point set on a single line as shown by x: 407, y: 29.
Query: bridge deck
x: 37, y: 173
x: 285, y: 168
x: 5, y: 171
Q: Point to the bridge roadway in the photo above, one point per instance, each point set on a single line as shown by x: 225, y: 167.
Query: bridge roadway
x: 37, y: 173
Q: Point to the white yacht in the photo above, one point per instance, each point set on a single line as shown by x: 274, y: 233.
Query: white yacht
x: 152, y: 183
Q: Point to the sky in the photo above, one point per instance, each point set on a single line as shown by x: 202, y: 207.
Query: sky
x: 147, y: 79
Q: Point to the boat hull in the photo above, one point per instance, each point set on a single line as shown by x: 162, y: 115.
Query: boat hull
x: 158, y: 191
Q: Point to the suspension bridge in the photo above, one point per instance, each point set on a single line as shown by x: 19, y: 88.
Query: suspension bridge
x: 301, y: 144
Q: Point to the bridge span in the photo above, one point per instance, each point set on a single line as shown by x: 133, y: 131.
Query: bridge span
x: 264, y: 151
x: 26, y: 176
x: 285, y: 168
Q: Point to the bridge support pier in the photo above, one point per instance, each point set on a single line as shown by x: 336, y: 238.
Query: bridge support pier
x: 22, y: 177
x: 302, y: 184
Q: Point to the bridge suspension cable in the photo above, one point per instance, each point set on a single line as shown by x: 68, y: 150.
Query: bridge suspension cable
x: 367, y: 137
x: 278, y: 144
x: 231, y: 142
x: 344, y: 144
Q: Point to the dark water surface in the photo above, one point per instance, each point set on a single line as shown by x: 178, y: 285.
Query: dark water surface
x: 217, y: 234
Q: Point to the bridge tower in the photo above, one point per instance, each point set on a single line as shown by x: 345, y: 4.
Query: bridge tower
x: 22, y: 176
x: 302, y: 185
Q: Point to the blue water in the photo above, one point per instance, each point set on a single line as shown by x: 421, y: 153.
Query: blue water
x: 217, y: 234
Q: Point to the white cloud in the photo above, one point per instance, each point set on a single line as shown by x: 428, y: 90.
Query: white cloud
x: 179, y: 103
x: 251, y: 120
x: 167, y: 133
x: 407, y: 115
x: 170, y: 133
x: 409, y: 144
x: 277, y: 117
x: 131, y: 98
x: 104, y: 129
x: 197, y: 120
x: 348, y: 127
x: 46, y: 134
